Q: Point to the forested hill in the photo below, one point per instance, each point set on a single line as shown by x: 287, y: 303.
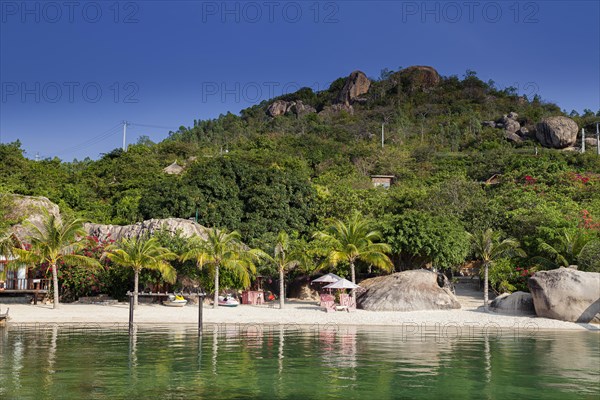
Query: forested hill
x: 289, y: 163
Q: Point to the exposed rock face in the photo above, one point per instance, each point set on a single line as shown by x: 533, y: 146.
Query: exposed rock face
x: 566, y: 294
x: 557, y: 132
x: 407, y: 291
x: 173, y: 225
x: 592, y: 142
x: 300, y: 109
x: 514, y: 303
x: 279, y: 107
x: 302, y: 291
x: 418, y: 77
x: 27, y: 209
x: 512, y: 137
x: 356, y: 85
x: 336, y: 109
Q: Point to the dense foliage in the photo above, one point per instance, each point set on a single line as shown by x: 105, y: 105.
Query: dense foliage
x: 293, y: 173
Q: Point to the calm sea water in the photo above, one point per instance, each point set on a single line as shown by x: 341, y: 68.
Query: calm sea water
x: 316, y: 362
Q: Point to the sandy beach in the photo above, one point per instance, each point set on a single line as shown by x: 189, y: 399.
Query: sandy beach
x: 470, y: 316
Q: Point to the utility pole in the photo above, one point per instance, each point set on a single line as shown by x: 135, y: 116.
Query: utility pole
x: 598, y: 137
x: 125, y: 123
x: 382, y: 133
x: 582, y: 140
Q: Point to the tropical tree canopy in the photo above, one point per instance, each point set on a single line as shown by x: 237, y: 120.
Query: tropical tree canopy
x: 222, y: 249
x: 57, y: 239
x: 488, y: 246
x: 142, y: 253
x: 354, y: 240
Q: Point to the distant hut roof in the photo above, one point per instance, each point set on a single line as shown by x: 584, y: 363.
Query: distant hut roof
x: 173, y: 169
x: 493, y: 180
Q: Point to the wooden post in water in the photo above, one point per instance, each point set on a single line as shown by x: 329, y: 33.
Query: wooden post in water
x: 130, y: 312
x: 200, y: 311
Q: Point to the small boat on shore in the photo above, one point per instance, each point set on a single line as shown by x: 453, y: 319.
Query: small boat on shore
x: 175, y: 301
x: 227, y: 301
x: 4, y: 317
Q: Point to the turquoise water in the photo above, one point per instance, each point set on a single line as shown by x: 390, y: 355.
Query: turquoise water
x: 292, y: 362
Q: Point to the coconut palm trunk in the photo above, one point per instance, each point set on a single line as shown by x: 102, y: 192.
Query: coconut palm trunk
x: 55, y: 286
x: 216, y: 298
x: 485, y: 285
x: 136, y: 286
x: 353, y: 276
x: 281, y: 289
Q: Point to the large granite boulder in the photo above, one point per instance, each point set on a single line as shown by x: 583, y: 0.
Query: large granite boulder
x: 557, y: 132
x: 356, y: 85
x: 566, y: 294
x: 407, y: 291
x: 335, y: 109
x: 301, y: 109
x: 186, y: 227
x: 417, y: 77
x: 302, y: 290
x: 591, y: 142
x: 278, y: 107
x: 281, y: 107
x: 513, y: 303
x: 26, y: 210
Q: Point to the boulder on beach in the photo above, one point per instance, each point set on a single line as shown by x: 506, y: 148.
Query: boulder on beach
x: 557, y: 132
x: 407, y: 291
x: 566, y: 294
x: 513, y: 303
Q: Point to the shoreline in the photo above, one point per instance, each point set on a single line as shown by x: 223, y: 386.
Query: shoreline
x: 296, y: 314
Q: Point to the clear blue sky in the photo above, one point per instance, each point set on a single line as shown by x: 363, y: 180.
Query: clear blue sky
x: 69, y: 73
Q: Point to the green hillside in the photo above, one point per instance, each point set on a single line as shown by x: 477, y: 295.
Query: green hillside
x: 260, y: 174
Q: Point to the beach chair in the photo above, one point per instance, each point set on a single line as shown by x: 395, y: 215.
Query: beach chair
x: 327, y: 302
x: 347, y: 302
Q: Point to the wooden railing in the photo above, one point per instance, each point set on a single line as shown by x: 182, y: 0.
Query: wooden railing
x: 26, y: 284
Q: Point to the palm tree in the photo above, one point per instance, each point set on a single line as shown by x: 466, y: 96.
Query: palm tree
x: 222, y: 250
x: 355, y: 240
x: 55, y: 241
x: 8, y: 243
x: 488, y: 247
x: 565, y: 251
x: 139, y: 254
x: 285, y: 257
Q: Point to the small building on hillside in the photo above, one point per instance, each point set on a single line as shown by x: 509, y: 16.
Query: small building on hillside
x: 173, y: 169
x: 382, y: 180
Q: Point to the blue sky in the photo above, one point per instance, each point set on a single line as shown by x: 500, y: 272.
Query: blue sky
x: 71, y: 72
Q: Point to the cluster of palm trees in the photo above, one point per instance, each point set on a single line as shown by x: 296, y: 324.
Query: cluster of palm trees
x: 58, y: 240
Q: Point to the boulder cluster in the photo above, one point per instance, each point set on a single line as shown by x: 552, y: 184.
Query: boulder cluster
x: 554, y: 132
x: 565, y: 294
x: 281, y: 107
x: 513, y: 131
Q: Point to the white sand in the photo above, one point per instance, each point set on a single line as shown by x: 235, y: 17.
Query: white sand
x: 296, y: 312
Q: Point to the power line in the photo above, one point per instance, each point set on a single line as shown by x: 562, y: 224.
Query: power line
x: 153, y: 126
x: 94, y: 140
